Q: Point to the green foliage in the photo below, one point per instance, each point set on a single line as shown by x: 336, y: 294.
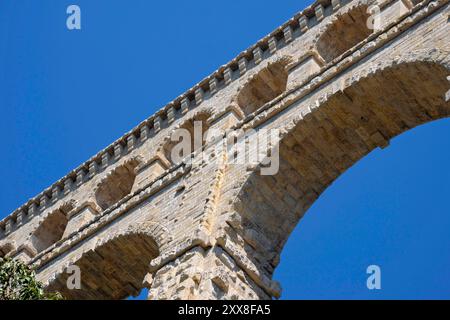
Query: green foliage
x: 18, y: 282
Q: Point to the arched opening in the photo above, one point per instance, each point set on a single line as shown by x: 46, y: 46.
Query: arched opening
x: 263, y: 87
x: 191, y: 132
x: 5, y: 248
x: 117, y: 185
x: 114, y: 270
x: 345, y: 31
x: 51, y: 230
x: 391, y: 210
x: 345, y: 128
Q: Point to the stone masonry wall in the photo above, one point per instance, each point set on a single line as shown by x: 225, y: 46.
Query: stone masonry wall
x: 204, y: 228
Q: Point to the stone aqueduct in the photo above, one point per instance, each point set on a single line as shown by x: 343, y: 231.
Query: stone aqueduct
x: 131, y: 218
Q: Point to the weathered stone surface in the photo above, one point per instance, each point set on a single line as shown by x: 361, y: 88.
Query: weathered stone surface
x: 131, y: 217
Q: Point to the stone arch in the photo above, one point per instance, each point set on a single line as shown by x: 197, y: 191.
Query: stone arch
x: 6, y: 248
x: 117, y: 184
x: 263, y: 87
x: 344, y: 31
x: 116, y: 267
x: 323, y: 141
x: 51, y: 228
x: 195, y: 126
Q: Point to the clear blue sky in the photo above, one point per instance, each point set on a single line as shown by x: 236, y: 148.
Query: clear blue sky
x: 64, y: 95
